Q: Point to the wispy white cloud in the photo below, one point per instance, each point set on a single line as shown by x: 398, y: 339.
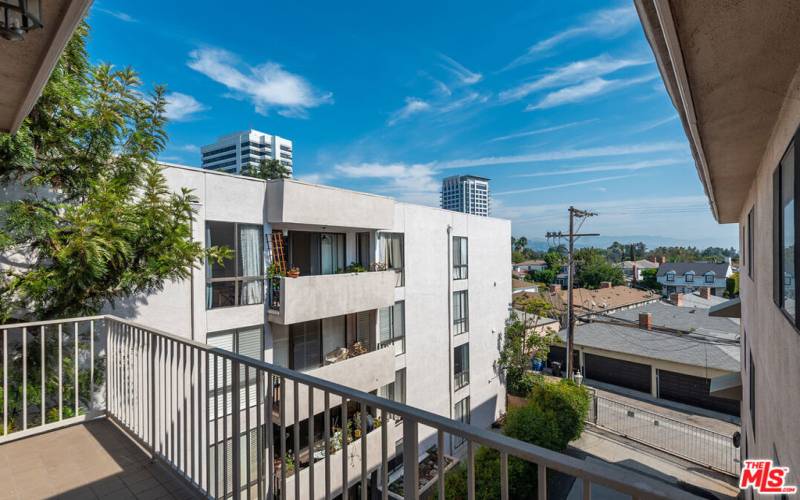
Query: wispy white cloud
x: 655, y: 124
x: 459, y: 71
x: 566, y: 184
x: 585, y: 90
x: 565, y: 154
x: 609, y: 167
x: 607, y: 208
x: 439, y: 108
x: 412, y: 107
x: 122, y: 16
x: 608, y: 23
x: 182, y: 107
x: 573, y: 73
x: 538, y: 131
x: 268, y: 85
x: 415, y: 183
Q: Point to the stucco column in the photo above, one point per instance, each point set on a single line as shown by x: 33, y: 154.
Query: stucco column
x: 653, y: 381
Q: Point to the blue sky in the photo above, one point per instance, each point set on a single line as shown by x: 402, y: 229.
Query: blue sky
x: 558, y: 103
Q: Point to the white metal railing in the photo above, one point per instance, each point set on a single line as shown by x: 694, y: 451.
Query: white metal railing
x: 211, y: 415
x: 691, y: 442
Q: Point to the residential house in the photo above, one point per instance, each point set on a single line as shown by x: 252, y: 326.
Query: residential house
x: 732, y: 71
x: 527, y: 266
x: 521, y: 286
x: 632, y: 269
x: 686, y: 277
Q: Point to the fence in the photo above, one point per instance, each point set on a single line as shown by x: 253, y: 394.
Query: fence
x: 214, y: 417
x: 696, y: 444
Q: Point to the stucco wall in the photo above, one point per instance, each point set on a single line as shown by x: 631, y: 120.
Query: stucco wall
x: 768, y: 335
x: 428, y: 357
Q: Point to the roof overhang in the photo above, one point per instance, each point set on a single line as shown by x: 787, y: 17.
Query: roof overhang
x: 727, y: 386
x: 728, y: 67
x: 728, y: 309
x: 25, y: 65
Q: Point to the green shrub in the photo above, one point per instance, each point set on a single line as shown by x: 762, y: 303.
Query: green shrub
x: 552, y: 417
x: 522, y: 384
x: 570, y: 404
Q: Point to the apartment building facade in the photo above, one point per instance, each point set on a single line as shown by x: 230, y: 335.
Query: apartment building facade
x: 233, y: 153
x: 466, y: 193
x: 396, y: 299
x: 734, y: 82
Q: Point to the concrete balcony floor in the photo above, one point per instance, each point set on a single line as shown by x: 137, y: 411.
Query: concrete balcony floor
x: 91, y: 460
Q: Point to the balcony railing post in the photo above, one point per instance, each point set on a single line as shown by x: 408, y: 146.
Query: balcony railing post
x: 235, y: 431
x: 152, y: 376
x: 410, y: 463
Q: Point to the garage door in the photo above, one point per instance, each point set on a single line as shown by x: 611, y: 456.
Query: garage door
x: 618, y: 372
x: 693, y: 391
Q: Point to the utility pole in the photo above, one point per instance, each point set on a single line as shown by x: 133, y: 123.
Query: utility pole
x: 572, y: 236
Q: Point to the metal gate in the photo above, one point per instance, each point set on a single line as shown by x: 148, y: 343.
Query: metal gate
x: 696, y: 444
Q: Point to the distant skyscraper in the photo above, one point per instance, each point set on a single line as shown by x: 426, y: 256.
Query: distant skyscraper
x: 466, y: 193
x: 233, y: 152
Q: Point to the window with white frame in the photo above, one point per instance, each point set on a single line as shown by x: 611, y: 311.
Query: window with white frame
x: 460, y: 312
x: 392, y: 326
x: 460, y: 258
x: 238, y: 280
x: 710, y: 277
x: 671, y: 276
x: 689, y: 277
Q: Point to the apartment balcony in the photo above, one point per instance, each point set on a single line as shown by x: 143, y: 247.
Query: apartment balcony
x: 92, y: 405
x: 305, y: 298
x: 297, y: 204
x: 365, y: 372
x: 330, y: 467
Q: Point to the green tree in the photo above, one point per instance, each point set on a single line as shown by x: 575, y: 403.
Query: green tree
x: 649, y: 279
x: 616, y: 252
x: 95, y: 219
x: 268, y: 170
x: 592, y: 268
x: 524, y: 339
x: 554, y: 260
x: 520, y: 243
x: 546, y: 276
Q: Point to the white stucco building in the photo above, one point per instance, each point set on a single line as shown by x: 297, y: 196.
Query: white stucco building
x: 427, y: 316
x: 232, y: 153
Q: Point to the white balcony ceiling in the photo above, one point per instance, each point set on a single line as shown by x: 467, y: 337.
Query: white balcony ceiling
x: 25, y: 65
